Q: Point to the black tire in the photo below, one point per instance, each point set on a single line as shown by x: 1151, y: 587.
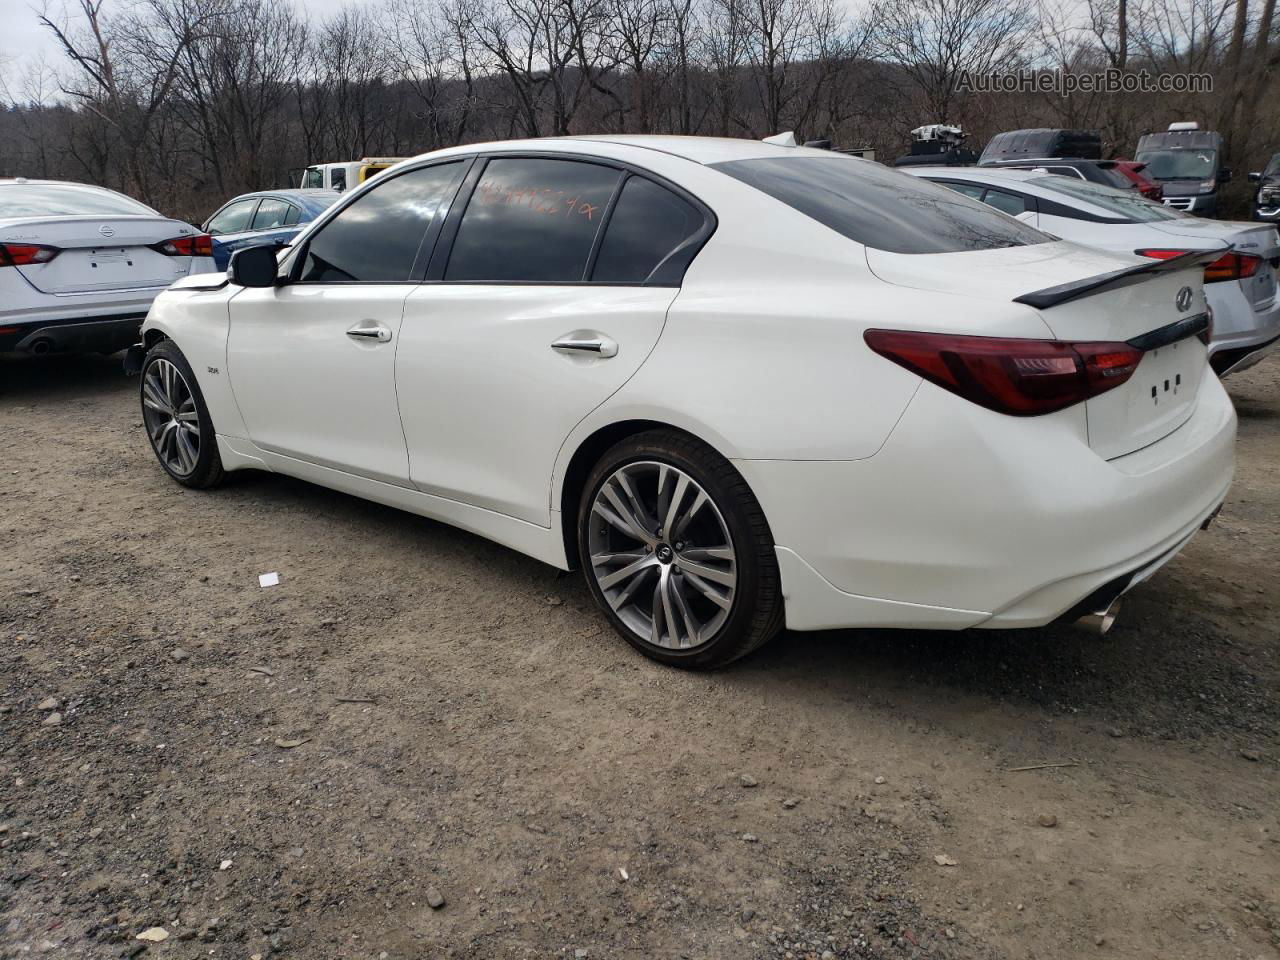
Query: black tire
x: 756, y: 612
x: 205, y: 470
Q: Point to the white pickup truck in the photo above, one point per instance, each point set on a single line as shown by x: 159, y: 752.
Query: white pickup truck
x: 339, y: 176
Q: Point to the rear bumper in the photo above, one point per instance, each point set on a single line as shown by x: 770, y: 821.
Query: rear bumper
x: 1240, y: 332
x: 966, y: 518
x: 100, y: 334
x: 1234, y: 359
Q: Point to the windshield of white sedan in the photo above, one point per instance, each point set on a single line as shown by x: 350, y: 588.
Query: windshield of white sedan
x: 59, y: 200
x: 881, y: 208
x: 1129, y: 204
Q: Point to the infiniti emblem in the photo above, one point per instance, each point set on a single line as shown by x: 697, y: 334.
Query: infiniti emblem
x: 1183, y: 300
x: 664, y: 553
x: 109, y: 231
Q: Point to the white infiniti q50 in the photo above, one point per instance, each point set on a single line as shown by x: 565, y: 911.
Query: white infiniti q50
x: 740, y: 385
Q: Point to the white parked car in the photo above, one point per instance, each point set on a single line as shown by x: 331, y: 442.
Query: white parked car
x: 80, y: 265
x: 739, y: 384
x: 1240, y: 285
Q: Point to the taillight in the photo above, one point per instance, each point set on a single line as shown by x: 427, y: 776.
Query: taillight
x: 200, y: 245
x: 1232, y: 266
x: 1023, y: 378
x: 25, y: 254
x: 1229, y: 266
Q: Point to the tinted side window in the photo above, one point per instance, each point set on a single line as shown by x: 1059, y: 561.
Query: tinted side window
x: 376, y: 238
x: 271, y: 214
x: 968, y: 189
x: 882, y: 208
x: 232, y: 218
x: 1006, y: 202
x: 338, y: 178
x: 531, y: 220
x: 648, y: 222
x: 292, y: 215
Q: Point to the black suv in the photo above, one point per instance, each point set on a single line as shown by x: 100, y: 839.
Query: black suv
x: 1266, y: 199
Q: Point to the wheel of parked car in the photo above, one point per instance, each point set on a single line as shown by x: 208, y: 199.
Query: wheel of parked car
x: 677, y: 552
x: 177, y: 420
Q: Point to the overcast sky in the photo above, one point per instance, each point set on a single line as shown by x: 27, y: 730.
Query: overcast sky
x: 24, y: 40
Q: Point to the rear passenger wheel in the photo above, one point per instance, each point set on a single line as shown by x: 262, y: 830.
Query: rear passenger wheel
x: 177, y: 420
x: 676, y: 550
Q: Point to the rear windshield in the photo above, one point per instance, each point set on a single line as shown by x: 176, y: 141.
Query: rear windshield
x: 881, y: 208
x: 65, y: 200
x: 1116, y: 178
x: 1129, y: 205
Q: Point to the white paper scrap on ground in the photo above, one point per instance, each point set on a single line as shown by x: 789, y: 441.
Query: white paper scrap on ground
x: 268, y: 579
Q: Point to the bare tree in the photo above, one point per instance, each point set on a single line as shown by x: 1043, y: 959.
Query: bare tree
x: 124, y: 68
x: 935, y: 42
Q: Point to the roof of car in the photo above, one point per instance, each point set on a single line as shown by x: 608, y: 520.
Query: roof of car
x: 293, y: 193
x: 1038, y: 161
x: 978, y: 173
x: 704, y: 150
x: 32, y: 181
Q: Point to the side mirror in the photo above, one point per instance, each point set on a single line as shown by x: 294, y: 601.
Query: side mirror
x: 254, y: 267
x: 1255, y: 177
x: 1225, y: 175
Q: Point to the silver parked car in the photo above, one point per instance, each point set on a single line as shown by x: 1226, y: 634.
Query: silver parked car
x: 80, y: 265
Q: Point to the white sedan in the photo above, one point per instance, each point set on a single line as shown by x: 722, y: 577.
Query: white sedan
x: 738, y: 384
x: 1240, y: 285
x: 80, y: 265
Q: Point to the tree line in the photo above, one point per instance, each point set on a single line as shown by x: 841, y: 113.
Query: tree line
x: 184, y: 103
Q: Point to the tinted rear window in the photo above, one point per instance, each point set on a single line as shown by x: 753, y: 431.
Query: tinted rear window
x: 1130, y: 205
x: 65, y: 200
x: 881, y: 208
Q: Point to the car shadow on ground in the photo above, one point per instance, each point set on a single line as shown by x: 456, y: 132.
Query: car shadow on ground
x: 1169, y: 668
x: 66, y: 377
x: 1165, y: 671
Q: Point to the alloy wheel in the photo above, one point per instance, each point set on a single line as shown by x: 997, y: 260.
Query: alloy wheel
x: 661, y: 555
x: 169, y: 412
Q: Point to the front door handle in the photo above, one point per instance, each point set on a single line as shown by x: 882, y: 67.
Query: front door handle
x: 370, y: 330
x: 587, y: 343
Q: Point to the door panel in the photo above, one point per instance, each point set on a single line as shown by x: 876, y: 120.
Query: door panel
x: 485, y: 399
x: 309, y: 390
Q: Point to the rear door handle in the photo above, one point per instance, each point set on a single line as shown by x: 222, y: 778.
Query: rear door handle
x: 370, y: 330
x: 587, y: 343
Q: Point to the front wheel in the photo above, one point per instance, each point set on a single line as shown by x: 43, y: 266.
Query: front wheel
x: 177, y: 419
x: 676, y: 551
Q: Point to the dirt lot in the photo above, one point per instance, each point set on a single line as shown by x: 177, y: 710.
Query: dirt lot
x: 294, y: 771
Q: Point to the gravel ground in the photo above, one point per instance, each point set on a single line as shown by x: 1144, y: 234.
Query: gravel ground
x: 416, y: 715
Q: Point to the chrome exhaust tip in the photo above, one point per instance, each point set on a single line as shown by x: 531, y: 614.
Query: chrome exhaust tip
x: 1101, y: 621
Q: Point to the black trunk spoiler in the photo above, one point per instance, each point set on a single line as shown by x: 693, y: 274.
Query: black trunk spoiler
x: 1065, y: 292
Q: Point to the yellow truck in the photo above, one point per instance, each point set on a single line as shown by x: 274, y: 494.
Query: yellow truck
x: 339, y: 176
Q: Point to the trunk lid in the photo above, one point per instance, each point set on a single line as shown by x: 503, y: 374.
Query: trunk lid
x: 1254, y: 239
x: 1160, y: 396
x: 100, y: 253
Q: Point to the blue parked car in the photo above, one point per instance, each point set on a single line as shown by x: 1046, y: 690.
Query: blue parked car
x: 268, y: 216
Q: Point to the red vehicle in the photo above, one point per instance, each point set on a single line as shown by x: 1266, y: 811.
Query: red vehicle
x: 1132, y: 170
